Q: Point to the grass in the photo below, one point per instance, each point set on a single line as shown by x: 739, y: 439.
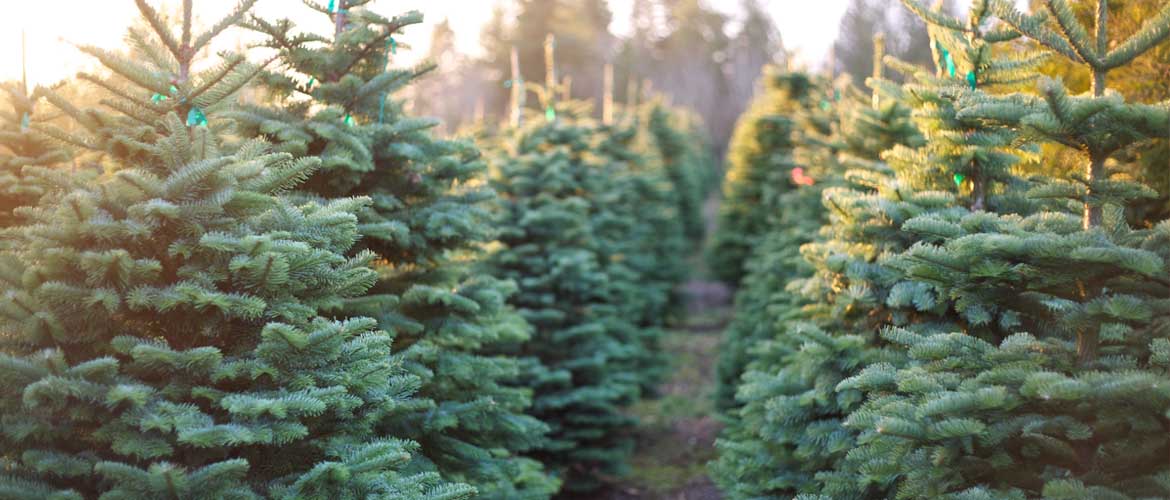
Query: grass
x: 678, y: 429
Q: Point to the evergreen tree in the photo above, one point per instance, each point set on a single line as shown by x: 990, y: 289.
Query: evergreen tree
x: 640, y: 232
x: 775, y: 261
x: 684, y: 152
x: 789, y: 426
x: 24, y: 155
x: 757, y: 162
x: 164, y: 335
x: 590, y: 232
x: 425, y: 225
x: 1052, y: 385
x: 1139, y: 81
x: 586, y: 348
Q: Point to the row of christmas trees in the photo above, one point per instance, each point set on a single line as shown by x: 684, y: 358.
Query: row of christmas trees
x: 920, y: 314
x: 312, y: 296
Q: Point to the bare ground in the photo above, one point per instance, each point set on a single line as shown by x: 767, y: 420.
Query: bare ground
x: 677, y: 434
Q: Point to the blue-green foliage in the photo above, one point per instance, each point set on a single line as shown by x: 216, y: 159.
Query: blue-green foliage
x: 164, y: 329
x: 758, y: 166
x: 790, y: 414
x: 795, y: 135
x: 686, y: 159
x: 974, y: 334
x: 425, y: 225
x: 585, y: 349
x: 26, y: 157
x: 590, y: 231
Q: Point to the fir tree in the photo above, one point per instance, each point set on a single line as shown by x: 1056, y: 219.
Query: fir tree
x: 789, y: 432
x: 1053, y: 384
x: 334, y: 99
x: 643, y: 237
x: 685, y: 154
x: 756, y: 162
x: 163, y: 330
x: 561, y: 216
x: 24, y: 155
x: 760, y: 303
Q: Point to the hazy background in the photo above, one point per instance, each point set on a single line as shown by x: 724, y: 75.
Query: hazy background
x: 703, y: 54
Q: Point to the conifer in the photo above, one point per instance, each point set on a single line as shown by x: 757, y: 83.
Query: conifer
x: 1060, y: 309
x: 789, y: 437
x: 25, y: 155
x: 757, y: 163
x: 164, y: 336
x: 334, y: 98
x: 684, y: 153
x: 800, y: 149
x: 586, y: 349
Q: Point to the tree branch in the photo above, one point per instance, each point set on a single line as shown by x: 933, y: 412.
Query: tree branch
x: 1073, y: 32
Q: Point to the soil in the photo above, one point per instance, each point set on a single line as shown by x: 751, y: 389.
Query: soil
x: 677, y: 434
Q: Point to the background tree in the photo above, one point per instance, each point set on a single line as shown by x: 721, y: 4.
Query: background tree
x: 24, y: 155
x: 906, y: 36
x: 759, y: 165
x: 551, y: 181
x: 1137, y: 82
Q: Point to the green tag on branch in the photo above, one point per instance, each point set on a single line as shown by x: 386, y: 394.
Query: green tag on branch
x: 950, y: 63
x: 971, y: 79
x: 174, y: 89
x: 393, y: 46
x: 348, y: 119
x: 157, y: 98
x: 196, y: 118
x: 959, y: 178
x: 825, y: 105
x: 332, y: 5
x: 25, y: 121
x: 550, y: 114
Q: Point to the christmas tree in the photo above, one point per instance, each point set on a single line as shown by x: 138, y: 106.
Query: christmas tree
x: 805, y: 160
x: 590, y: 232
x: 684, y: 153
x: 789, y: 427
x: 25, y: 156
x: 1062, y: 310
x: 757, y: 164
x: 164, y: 330
x: 333, y: 98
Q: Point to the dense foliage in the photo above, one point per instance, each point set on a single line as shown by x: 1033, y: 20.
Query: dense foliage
x: 24, y: 154
x: 312, y: 295
x: 590, y: 229
x: 967, y: 332
x: 163, y: 327
x: 427, y: 218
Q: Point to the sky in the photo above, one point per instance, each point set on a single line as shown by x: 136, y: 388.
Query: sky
x: 808, y: 28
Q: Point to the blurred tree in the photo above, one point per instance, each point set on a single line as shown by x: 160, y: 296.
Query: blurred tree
x: 756, y: 44
x: 455, y: 91
x: 906, y: 36
x: 583, y: 44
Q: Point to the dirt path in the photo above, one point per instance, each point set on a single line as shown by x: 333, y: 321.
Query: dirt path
x: 677, y: 434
